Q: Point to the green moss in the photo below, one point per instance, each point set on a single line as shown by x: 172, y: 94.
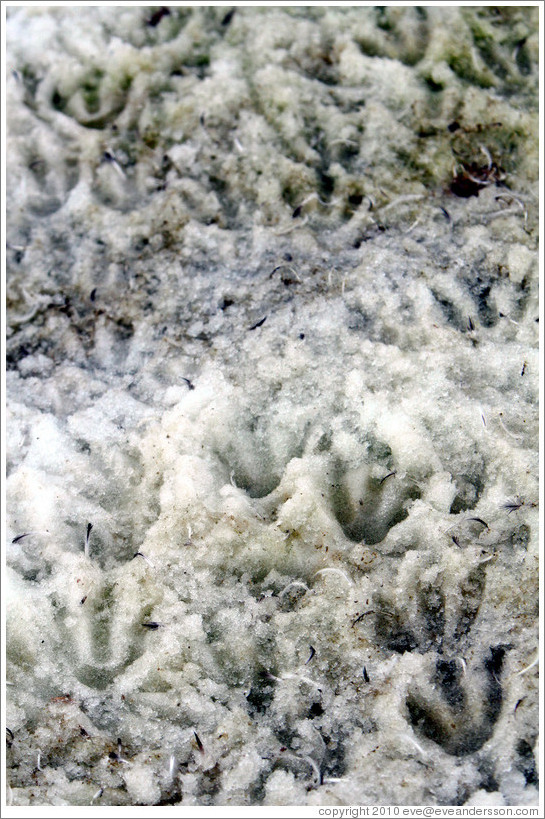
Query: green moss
x: 151, y: 139
x: 383, y: 18
x: 504, y: 143
x: 418, y: 164
x: 488, y: 49
x: 125, y: 83
x: 523, y: 60
x: 370, y: 47
x: 461, y: 62
x: 198, y: 60
x: 90, y: 90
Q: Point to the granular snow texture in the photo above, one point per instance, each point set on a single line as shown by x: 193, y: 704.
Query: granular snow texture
x: 272, y: 405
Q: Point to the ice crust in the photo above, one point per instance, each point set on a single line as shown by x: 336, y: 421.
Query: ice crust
x: 292, y: 382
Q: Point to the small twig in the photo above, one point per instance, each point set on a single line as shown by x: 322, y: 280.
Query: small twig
x: 311, y: 198
x: 487, y: 155
x: 503, y: 212
x: 315, y: 768
x: 503, y: 198
x: 504, y: 315
x: 290, y: 676
x: 519, y: 702
x: 389, y: 475
x: 26, y: 534
x: 479, y: 520
x: 293, y: 583
x: 143, y: 556
x: 89, y: 527
x: 463, y: 664
x: 402, y: 200
x: 172, y: 766
x: 293, y: 226
x: 334, y: 571
x: 528, y: 667
x: 286, y: 267
x: 258, y: 323
x: 416, y: 222
x: 512, y: 506
x: 108, y: 157
x: 417, y: 746
x: 483, y: 183
x: 365, y: 613
x: 312, y: 653
x: 116, y: 757
x: 511, y: 434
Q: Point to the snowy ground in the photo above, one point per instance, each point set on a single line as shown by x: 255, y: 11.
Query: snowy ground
x: 272, y: 301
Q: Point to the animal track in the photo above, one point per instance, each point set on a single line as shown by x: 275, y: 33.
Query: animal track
x: 53, y: 171
x: 97, y: 101
x: 459, y: 716
x: 438, y: 617
x: 256, y: 453
x: 97, y: 638
x: 367, y: 507
x: 458, y: 706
